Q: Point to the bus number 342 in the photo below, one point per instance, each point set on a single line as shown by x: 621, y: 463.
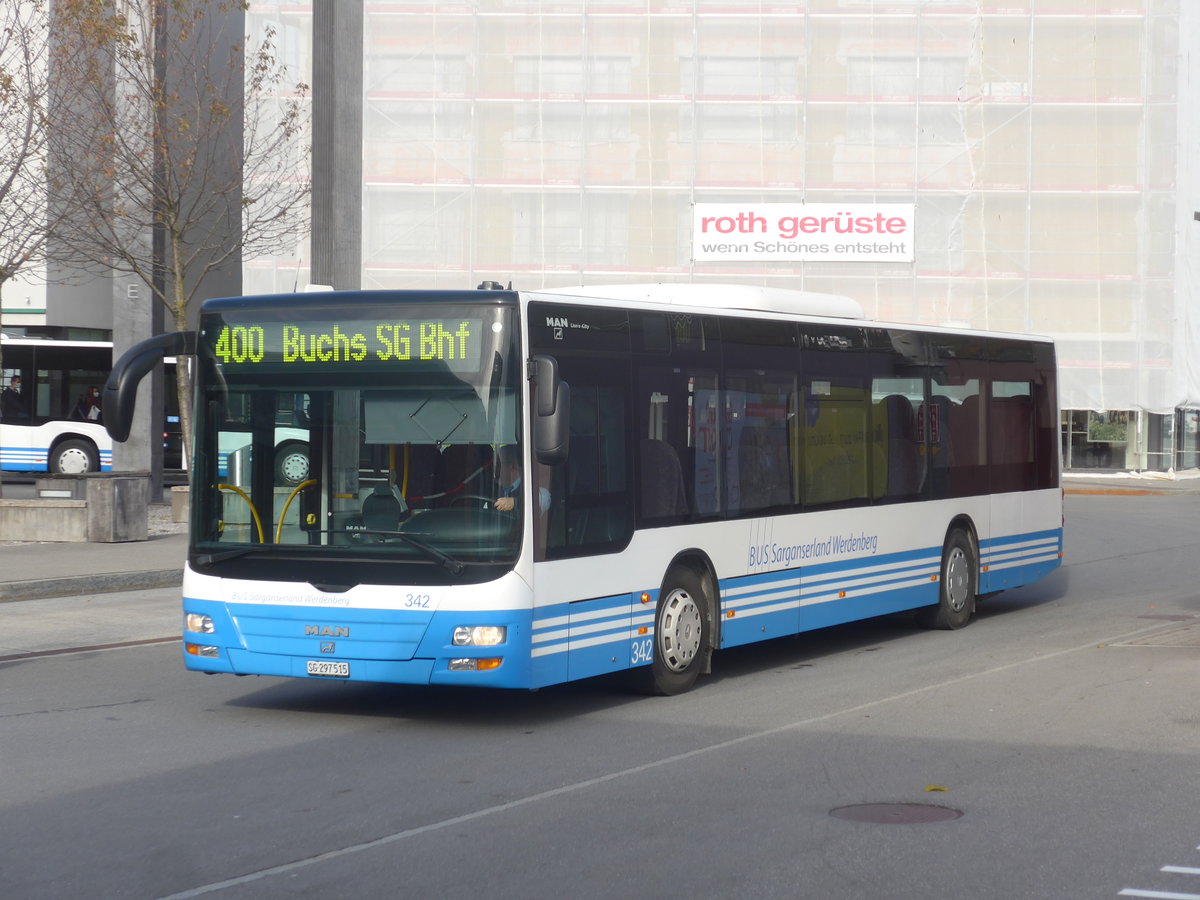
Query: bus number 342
x: 641, y: 652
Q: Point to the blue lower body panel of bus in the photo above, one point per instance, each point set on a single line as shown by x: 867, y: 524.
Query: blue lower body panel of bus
x: 378, y: 645
x: 1008, y: 562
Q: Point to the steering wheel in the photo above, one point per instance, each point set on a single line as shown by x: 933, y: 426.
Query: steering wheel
x: 484, y: 502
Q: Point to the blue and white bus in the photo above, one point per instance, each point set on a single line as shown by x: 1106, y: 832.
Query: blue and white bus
x: 43, y: 427
x: 694, y: 467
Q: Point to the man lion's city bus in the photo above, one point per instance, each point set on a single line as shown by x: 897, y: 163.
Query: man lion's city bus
x: 516, y: 489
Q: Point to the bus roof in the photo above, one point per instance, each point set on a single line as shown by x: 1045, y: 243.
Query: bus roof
x: 722, y: 296
x: 754, y: 298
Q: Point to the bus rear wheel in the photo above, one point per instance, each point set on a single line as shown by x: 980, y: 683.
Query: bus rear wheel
x: 74, y: 457
x: 957, y: 586
x: 682, y: 625
x: 291, y: 463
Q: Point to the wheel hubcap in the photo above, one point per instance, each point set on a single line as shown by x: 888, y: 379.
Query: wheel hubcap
x: 958, y: 579
x: 74, y: 462
x: 679, y: 630
x: 295, y: 467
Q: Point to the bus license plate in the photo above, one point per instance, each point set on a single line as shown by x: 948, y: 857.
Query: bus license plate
x: 328, y: 669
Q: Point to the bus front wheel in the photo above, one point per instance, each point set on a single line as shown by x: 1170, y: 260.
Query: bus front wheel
x: 681, y: 635
x: 74, y: 457
x: 957, y: 586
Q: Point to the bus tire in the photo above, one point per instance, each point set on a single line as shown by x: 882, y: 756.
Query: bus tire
x: 291, y: 463
x: 74, y: 457
x: 682, y: 629
x: 957, y: 585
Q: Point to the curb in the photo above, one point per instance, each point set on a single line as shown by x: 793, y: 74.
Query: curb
x: 1123, y: 491
x: 88, y: 584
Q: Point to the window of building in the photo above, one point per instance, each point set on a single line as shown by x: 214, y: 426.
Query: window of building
x: 571, y: 122
x: 421, y: 227
x: 396, y: 121
x: 570, y: 227
x: 728, y: 123
x: 572, y: 74
x: 750, y: 76
x: 417, y: 73
x: 903, y: 125
x: 906, y: 76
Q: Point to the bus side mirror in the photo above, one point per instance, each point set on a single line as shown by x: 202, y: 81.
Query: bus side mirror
x: 120, y: 391
x: 551, y: 413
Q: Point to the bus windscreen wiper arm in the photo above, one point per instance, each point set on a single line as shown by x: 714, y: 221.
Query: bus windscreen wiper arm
x: 207, y: 559
x: 451, y: 565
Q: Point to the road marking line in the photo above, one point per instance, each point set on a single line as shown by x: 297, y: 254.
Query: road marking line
x: 1157, y: 895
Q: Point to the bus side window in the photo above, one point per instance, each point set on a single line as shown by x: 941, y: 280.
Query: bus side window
x: 670, y: 464
x: 1011, y: 436
x: 957, y: 387
x: 835, y: 448
x: 901, y: 474
x: 758, y: 461
x: 589, y: 493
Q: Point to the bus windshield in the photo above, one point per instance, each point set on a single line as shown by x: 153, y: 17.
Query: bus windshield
x: 374, y: 433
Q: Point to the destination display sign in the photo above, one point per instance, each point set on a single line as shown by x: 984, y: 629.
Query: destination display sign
x: 455, y: 342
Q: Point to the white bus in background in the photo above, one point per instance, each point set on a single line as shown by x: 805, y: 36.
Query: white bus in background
x: 515, y: 489
x: 39, y: 429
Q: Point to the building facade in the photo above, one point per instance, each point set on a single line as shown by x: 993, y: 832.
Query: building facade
x: 1047, y: 148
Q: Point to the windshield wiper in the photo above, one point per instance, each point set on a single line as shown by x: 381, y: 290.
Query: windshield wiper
x: 207, y: 559
x: 449, y: 563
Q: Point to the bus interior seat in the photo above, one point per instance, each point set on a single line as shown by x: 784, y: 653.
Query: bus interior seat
x: 382, y: 509
x: 967, y: 446
x: 663, y: 494
x: 903, y: 459
x: 597, y: 525
x: 763, y: 471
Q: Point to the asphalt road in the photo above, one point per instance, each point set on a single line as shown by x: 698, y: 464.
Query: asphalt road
x: 1062, y: 727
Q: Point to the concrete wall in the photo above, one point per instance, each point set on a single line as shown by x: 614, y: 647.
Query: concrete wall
x: 98, y: 508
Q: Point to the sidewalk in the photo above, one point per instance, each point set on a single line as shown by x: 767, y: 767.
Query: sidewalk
x: 36, y: 570
x: 1132, y: 483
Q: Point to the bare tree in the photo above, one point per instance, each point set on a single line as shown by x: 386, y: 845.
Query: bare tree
x: 188, y: 148
x: 25, y: 123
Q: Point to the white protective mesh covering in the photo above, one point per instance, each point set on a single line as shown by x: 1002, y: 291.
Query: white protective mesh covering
x: 1048, y: 149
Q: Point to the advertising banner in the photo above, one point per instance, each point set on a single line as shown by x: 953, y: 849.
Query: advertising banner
x: 814, y: 232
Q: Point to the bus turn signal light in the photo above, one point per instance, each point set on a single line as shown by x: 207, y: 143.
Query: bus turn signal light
x: 470, y: 664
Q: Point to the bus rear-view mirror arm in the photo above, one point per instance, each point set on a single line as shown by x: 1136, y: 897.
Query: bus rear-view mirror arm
x: 552, y: 411
x: 120, y: 391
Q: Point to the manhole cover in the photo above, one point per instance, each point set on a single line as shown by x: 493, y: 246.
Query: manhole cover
x: 895, y: 813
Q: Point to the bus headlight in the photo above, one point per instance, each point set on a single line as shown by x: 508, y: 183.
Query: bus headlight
x: 198, y: 624
x: 479, y: 635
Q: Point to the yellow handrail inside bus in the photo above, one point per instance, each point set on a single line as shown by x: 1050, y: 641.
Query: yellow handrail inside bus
x: 301, y: 486
x: 253, y: 512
